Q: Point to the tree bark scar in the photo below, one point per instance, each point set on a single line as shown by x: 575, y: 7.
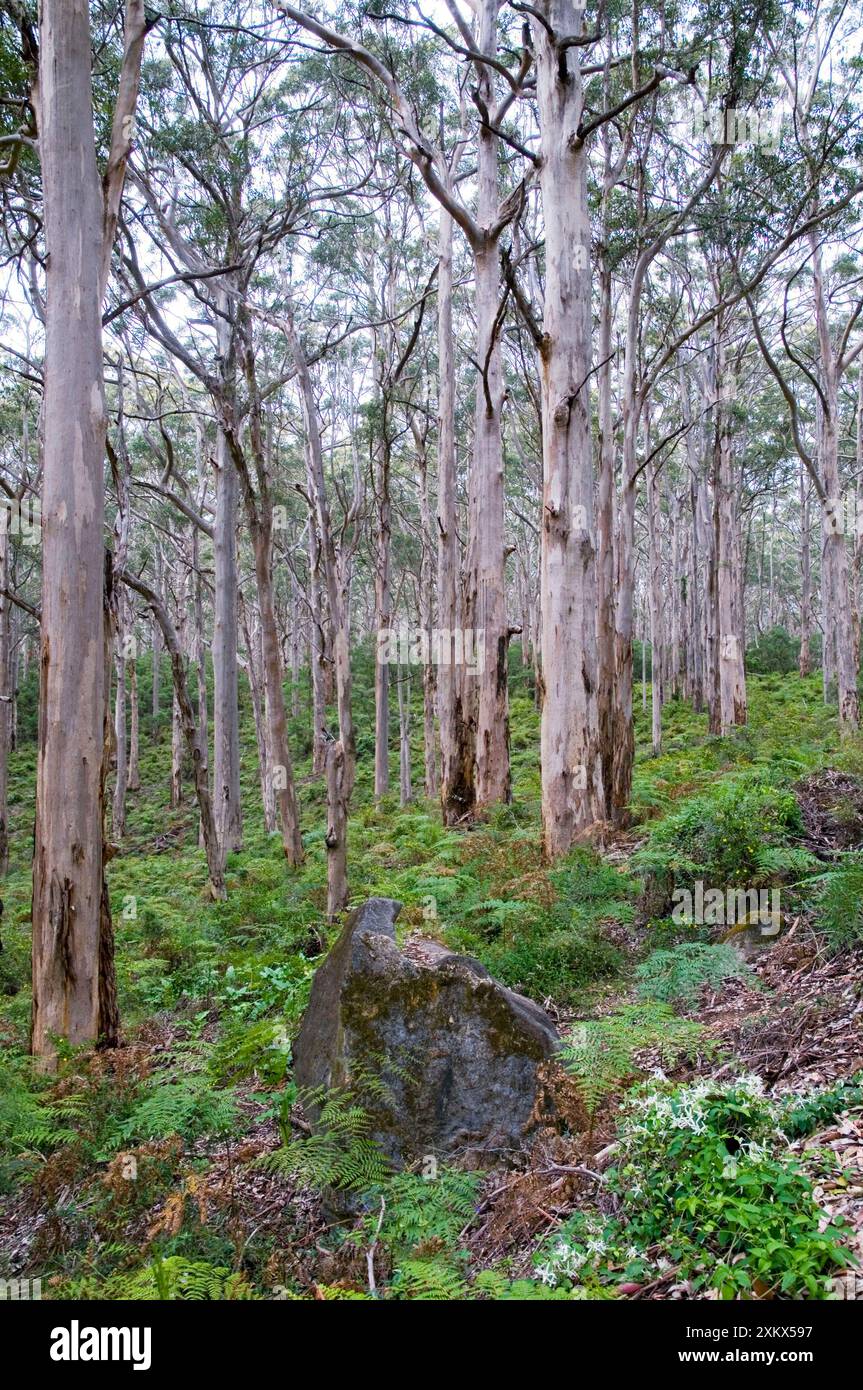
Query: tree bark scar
x: 43, y: 682
x: 63, y: 926
x: 502, y: 673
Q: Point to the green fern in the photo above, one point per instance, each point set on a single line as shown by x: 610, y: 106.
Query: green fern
x: 339, y: 1154
x: 677, y: 976
x: 420, y: 1210
x: 497, y: 1287
x: 170, y: 1279
x: 249, y: 1049
x: 434, y: 1280
x: 838, y: 899
x: 29, y: 1124
x: 601, y: 1057
x: 187, y: 1106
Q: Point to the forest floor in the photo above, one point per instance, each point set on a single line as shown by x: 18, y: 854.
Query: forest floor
x: 719, y: 1082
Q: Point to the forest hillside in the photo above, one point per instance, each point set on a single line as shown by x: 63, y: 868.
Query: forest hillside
x: 431, y: 595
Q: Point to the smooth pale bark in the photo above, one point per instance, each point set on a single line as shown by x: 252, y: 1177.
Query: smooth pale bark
x: 121, y: 780
x: 695, y: 688
x: 694, y: 671
x: 156, y: 653
x: 121, y: 473
x: 383, y: 621
x: 456, y: 747
x: 857, y: 543
x: 6, y: 688
x: 195, y: 737
x: 134, y: 729
x: 280, y: 762
x: 644, y: 637
x: 655, y: 609
x: 710, y: 607
x: 383, y: 544
x: 317, y: 651
x: 341, y: 752
x: 18, y: 668
x: 606, y: 493
x: 258, y: 506
x: 570, y: 751
x: 484, y: 605
x: 732, y: 676
x: 226, y: 728
x: 295, y: 650
x: 180, y: 588
x: 254, y: 662
x: 678, y: 596
x: 404, y: 686
x: 109, y: 1011
x: 623, y: 738
x: 200, y: 639
x: 426, y: 599
x: 837, y: 617
x: 485, y: 698
x: 67, y: 864
x: 606, y: 497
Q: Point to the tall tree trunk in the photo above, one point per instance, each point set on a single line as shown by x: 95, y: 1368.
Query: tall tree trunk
x: 732, y: 677
x: 195, y: 738
x: 67, y: 863
x: 570, y: 746
x: 281, y: 766
x: 605, y: 601
x: 426, y: 601
x: 484, y: 609
x: 456, y: 734
x: 708, y: 515
x: 317, y: 651
x: 382, y: 557
x: 157, y: 653
x: 857, y: 540
x: 6, y: 688
x: 295, y: 650
x: 254, y: 660
x: 226, y: 730
x: 623, y: 752
x: 837, y: 619
x: 655, y: 607
x: 804, y: 664
x: 134, y: 783
x: 341, y: 752
x: 121, y: 779
x: 201, y: 659
x: 694, y: 570
x: 405, y: 786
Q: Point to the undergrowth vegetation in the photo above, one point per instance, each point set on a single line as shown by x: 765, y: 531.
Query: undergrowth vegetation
x: 182, y: 1166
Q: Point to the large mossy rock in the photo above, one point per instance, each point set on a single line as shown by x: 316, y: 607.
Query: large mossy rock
x: 446, y: 1060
